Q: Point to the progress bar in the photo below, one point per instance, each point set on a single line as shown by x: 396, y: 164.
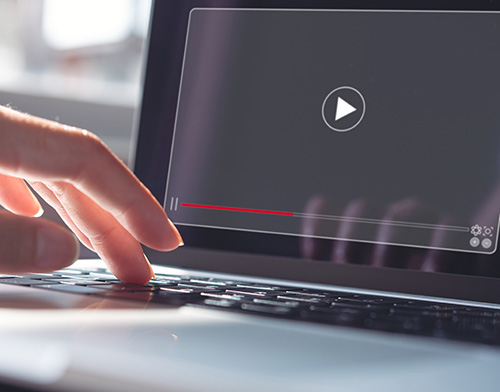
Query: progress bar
x: 210, y: 207
x: 416, y: 225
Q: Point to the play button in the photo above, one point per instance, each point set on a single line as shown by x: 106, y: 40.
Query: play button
x: 343, y: 109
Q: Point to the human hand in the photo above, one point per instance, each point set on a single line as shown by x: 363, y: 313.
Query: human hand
x: 96, y: 195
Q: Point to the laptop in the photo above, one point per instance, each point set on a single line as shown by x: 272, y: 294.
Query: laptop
x: 333, y: 169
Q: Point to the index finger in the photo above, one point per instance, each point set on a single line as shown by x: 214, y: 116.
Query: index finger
x: 42, y: 150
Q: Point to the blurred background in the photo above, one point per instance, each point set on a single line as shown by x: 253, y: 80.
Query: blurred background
x: 75, y: 61
x: 78, y: 62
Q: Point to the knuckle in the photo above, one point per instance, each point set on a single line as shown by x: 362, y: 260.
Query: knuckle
x: 99, y: 239
x: 90, y: 144
x: 58, y: 188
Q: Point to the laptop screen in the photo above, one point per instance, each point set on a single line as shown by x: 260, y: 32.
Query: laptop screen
x: 353, y: 136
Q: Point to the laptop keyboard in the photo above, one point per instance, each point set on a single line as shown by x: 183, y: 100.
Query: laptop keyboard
x: 396, y: 315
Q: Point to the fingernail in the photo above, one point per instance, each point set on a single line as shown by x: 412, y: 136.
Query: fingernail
x: 40, y: 212
x: 179, y: 237
x: 56, y: 248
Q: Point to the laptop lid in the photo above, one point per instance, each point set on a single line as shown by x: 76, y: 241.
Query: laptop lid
x: 327, y: 142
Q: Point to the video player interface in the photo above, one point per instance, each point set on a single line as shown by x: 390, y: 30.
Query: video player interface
x: 369, y: 126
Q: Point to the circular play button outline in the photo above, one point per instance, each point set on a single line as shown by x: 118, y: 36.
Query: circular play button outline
x: 333, y: 92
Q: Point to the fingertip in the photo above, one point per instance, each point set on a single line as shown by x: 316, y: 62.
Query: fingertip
x: 56, y: 247
x: 166, y: 239
x: 178, y: 238
x: 153, y: 275
x: 33, y: 209
x: 130, y: 265
x: 140, y: 276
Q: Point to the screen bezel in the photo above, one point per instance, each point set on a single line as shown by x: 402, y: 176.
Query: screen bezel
x: 260, y: 254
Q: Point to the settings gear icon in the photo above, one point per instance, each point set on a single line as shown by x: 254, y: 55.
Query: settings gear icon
x: 475, y: 230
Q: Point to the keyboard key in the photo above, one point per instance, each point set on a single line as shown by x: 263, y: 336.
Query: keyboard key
x: 247, y: 292
x: 71, y: 289
x: 304, y: 293
x: 22, y: 281
x: 41, y: 276
x: 292, y: 304
x: 197, y: 286
x: 277, y: 310
x: 82, y: 282
x: 210, y: 282
x: 176, y: 298
x: 67, y: 272
x: 221, y: 303
x: 261, y: 287
x: 365, y: 300
x: 300, y: 298
x: 122, y: 287
x: 222, y: 296
x: 161, y: 278
x: 360, y: 305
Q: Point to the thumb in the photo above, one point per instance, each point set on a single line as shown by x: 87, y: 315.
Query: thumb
x: 34, y: 245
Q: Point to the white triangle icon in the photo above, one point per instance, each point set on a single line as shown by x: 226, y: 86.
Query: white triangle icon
x: 343, y: 109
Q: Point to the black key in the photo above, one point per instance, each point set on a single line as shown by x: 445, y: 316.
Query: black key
x: 176, y: 298
x: 160, y: 278
x: 276, y: 310
x: 305, y: 293
x: 259, y: 287
x: 81, y: 278
x: 336, y: 310
x: 165, y: 283
x: 189, y: 290
x: 226, y: 296
x: 224, y: 303
x: 71, y: 289
x: 86, y: 270
x: 366, y: 300
x: 40, y: 276
x: 67, y: 272
x: 166, y: 286
x: 438, y: 307
x: 106, y: 276
x: 335, y: 316
x: 257, y: 293
x: 262, y: 301
x: 477, y: 313
x: 82, y: 282
x: 177, y: 290
x: 122, y: 287
x: 210, y: 282
x: 361, y: 305
x: 300, y: 298
x: 22, y: 281
x: 197, y: 286
x: 397, y: 311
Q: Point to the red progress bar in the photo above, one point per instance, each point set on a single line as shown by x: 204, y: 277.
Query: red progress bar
x: 237, y: 209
